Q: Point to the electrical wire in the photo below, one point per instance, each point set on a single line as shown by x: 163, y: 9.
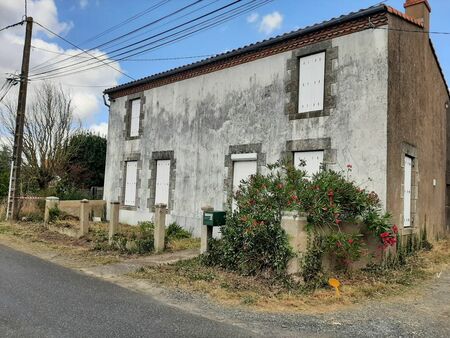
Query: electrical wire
x: 13, y: 25
x: 111, y: 29
x: 165, y: 37
x: 162, y: 44
x: 129, y: 33
x: 134, y: 60
x: 72, y: 44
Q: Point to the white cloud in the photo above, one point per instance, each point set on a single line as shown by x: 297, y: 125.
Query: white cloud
x: 271, y: 22
x: 253, y: 17
x: 100, y: 129
x: 82, y: 86
x: 83, y: 4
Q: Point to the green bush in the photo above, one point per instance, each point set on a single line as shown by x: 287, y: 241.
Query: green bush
x: 138, y: 240
x: 253, y: 241
x: 54, y: 214
x: 175, y: 231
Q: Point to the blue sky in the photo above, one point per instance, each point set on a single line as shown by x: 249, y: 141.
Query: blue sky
x: 83, y: 19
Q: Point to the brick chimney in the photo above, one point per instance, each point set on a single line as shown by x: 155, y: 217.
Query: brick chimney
x: 419, y: 9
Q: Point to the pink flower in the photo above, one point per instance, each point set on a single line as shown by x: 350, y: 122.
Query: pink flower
x: 349, y: 166
x: 395, y: 229
x: 350, y: 241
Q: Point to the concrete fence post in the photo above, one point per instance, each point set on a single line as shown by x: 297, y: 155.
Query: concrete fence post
x: 50, y: 202
x: 295, y: 227
x: 206, y: 231
x: 84, y: 217
x: 160, y: 226
x: 113, y: 220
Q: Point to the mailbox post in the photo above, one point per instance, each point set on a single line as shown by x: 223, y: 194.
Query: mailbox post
x: 211, y: 219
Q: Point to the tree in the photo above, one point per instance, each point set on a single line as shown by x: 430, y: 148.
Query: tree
x: 48, y: 128
x: 86, y: 162
x: 5, y: 165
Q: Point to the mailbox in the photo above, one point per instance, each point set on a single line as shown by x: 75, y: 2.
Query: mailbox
x: 214, y: 218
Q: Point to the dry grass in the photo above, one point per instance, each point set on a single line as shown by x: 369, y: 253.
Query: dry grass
x: 183, y: 244
x: 269, y: 295
x: 32, y: 237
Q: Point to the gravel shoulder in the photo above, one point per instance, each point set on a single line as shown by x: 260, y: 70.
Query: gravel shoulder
x: 423, y: 311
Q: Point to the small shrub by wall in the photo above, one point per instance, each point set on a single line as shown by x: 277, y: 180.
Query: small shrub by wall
x: 254, y: 243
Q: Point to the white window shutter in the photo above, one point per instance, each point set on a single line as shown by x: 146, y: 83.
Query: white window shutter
x: 407, y: 187
x: 130, y: 183
x: 162, y: 182
x: 242, y: 170
x: 311, y: 82
x: 313, y: 161
x: 135, y: 117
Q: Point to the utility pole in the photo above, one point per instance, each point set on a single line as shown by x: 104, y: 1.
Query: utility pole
x: 13, y: 211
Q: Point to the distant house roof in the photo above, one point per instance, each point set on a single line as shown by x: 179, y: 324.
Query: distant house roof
x: 342, y: 25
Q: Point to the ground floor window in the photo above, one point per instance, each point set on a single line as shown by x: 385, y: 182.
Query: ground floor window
x: 310, y: 161
x: 244, y: 165
x: 407, y: 189
x: 130, y: 183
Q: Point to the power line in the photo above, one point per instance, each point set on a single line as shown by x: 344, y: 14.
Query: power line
x: 165, y: 37
x: 130, y: 19
x: 13, y: 25
x: 65, y: 40
x: 65, y: 73
x: 412, y: 31
x: 106, y: 31
x: 131, y: 32
x: 132, y: 60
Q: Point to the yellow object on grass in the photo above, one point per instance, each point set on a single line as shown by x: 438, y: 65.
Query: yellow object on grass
x: 333, y: 282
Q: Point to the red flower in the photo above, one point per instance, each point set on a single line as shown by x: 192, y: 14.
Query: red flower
x: 384, y: 234
x: 294, y: 197
x: 338, y: 221
x: 330, y: 193
x: 395, y: 229
x: 350, y: 241
x: 349, y: 166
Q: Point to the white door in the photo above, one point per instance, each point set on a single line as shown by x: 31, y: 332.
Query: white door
x: 313, y: 161
x: 407, y: 192
x: 242, y: 170
x: 130, y: 183
x: 162, y: 182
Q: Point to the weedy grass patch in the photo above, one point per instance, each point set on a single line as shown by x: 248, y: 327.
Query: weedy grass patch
x: 266, y: 293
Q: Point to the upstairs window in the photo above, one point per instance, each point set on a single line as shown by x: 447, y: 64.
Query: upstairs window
x: 135, y: 117
x: 311, y: 82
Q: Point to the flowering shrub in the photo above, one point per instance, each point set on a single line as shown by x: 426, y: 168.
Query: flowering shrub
x: 253, y: 241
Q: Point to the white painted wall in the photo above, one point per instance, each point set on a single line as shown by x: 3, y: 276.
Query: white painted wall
x: 200, y: 118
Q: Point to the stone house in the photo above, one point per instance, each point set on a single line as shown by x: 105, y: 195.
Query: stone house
x: 364, y: 89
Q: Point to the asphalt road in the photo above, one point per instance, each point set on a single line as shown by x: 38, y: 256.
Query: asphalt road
x: 41, y: 299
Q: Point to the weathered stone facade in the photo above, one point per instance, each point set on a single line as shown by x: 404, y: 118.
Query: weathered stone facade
x: 199, y: 116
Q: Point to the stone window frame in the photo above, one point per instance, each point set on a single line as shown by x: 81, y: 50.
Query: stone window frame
x: 158, y: 156
x: 330, y: 79
x: 411, y: 151
x: 127, y: 117
x: 315, y: 144
x: 122, y: 181
x: 240, y: 149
